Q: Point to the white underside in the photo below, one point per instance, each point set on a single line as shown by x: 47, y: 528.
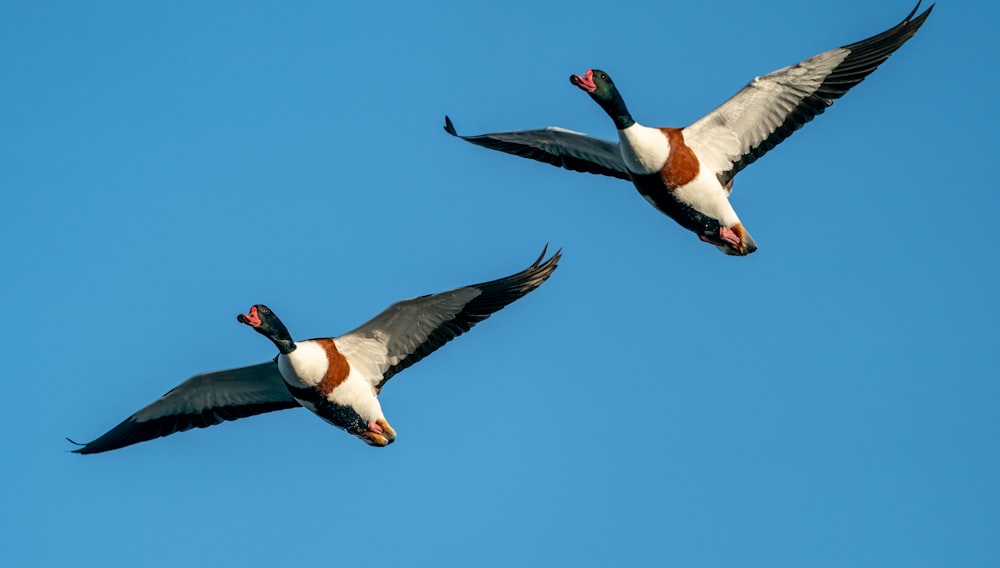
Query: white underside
x: 645, y: 151
x: 706, y: 195
x: 359, y: 395
x: 307, y: 365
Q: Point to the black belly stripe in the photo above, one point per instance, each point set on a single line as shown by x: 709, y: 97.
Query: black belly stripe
x: 651, y: 187
x: 337, y: 414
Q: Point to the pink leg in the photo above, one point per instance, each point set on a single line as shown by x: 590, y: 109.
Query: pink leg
x: 374, y: 427
x: 727, y: 234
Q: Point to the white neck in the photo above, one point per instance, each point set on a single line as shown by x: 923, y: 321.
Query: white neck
x: 304, y: 367
x: 644, y: 149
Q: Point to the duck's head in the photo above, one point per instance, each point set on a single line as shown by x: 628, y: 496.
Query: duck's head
x: 592, y: 81
x: 266, y: 323
x: 601, y: 88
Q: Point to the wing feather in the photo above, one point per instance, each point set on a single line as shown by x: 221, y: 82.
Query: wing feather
x: 772, y: 107
x: 413, y: 329
x: 557, y: 146
x: 203, y: 400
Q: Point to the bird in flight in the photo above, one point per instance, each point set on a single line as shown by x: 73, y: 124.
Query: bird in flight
x: 337, y: 378
x: 687, y: 173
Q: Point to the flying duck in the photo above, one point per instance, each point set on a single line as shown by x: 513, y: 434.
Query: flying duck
x: 339, y: 379
x: 687, y: 173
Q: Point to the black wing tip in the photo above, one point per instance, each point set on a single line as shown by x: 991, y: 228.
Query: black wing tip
x: 539, y: 271
x: 538, y: 260
x: 910, y: 21
x: 515, y: 286
x: 541, y: 264
x: 922, y: 16
x: 84, y: 448
x: 910, y: 24
x: 81, y: 450
x: 93, y: 447
x: 552, y: 262
x: 449, y: 127
x: 890, y: 40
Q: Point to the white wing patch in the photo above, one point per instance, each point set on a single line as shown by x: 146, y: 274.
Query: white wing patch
x: 714, y: 147
x: 368, y: 356
x: 393, y: 335
x: 565, y: 130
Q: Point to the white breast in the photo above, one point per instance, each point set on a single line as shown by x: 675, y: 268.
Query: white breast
x: 306, y: 366
x: 644, y: 149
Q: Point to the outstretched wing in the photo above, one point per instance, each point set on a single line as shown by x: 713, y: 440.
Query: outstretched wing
x: 772, y: 107
x: 557, y: 146
x: 199, y: 402
x: 412, y: 329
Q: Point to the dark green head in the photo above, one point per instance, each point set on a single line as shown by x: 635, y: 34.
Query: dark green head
x: 602, y: 89
x: 264, y: 322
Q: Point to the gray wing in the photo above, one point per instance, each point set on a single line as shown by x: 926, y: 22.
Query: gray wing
x: 557, y: 146
x: 772, y: 107
x: 199, y: 402
x: 410, y: 330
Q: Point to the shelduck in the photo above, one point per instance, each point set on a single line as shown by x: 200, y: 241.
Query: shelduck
x: 339, y: 379
x: 687, y: 173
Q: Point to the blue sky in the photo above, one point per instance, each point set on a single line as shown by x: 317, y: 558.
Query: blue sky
x: 830, y: 400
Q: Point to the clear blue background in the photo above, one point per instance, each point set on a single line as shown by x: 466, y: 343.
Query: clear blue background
x: 828, y: 401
